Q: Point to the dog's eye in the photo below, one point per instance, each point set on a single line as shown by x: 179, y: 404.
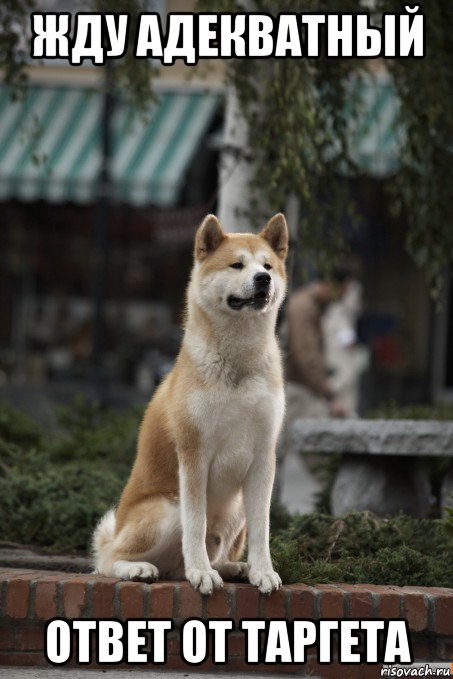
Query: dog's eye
x: 237, y: 265
x: 268, y: 267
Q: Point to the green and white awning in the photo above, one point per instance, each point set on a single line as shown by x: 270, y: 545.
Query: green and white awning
x: 50, y: 141
x: 375, y: 135
x: 50, y: 145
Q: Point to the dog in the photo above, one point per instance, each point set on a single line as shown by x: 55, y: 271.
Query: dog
x: 205, y: 462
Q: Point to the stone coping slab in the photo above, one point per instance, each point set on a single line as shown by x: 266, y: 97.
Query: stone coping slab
x: 374, y: 437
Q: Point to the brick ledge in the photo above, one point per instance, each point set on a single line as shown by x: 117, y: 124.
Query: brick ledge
x: 28, y: 598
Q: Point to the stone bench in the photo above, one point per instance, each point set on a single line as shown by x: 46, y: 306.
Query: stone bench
x: 380, y: 469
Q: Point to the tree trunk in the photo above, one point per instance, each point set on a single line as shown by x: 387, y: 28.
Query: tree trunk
x: 236, y: 168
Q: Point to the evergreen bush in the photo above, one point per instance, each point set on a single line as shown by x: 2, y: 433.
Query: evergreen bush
x: 54, y: 487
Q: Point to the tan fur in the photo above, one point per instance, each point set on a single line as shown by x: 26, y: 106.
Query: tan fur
x: 238, y: 546
x: 206, y: 449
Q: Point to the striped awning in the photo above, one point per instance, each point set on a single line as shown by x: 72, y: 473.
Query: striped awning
x: 50, y: 145
x: 375, y: 136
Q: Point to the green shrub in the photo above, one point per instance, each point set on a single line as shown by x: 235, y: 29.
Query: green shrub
x: 17, y: 428
x: 90, y: 432
x: 53, y: 489
x: 391, y: 410
x: 54, y: 506
x: 361, y: 547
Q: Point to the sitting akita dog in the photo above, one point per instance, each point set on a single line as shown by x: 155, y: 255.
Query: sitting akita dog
x: 206, y: 451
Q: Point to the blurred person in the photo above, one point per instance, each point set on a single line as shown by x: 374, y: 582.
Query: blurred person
x: 309, y: 391
x: 346, y: 359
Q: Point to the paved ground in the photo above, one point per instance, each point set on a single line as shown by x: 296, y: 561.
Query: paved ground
x: 40, y: 672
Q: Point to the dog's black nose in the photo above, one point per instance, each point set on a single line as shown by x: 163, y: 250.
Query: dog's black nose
x: 262, y: 280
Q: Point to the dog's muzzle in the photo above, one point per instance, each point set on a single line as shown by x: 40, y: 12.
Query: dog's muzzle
x: 260, y: 298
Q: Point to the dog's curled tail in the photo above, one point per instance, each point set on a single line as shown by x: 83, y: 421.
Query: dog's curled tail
x: 103, y: 537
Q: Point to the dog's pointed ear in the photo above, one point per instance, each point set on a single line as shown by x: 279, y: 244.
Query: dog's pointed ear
x: 209, y: 236
x: 276, y: 234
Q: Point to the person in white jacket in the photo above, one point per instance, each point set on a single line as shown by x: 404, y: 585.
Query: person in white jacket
x: 346, y: 359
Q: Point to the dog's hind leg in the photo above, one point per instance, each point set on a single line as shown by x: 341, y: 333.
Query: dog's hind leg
x: 238, y: 545
x: 147, y: 542
x: 232, y: 568
x: 135, y: 570
x: 227, y: 560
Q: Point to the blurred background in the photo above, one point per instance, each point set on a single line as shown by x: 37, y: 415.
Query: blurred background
x: 99, y: 204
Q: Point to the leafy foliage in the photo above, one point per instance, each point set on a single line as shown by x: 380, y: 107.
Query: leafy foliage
x: 363, y: 548
x: 132, y: 78
x: 14, y: 18
x: 17, y: 428
x: 392, y: 410
x: 96, y: 434
x: 55, y: 506
x: 424, y: 87
x: 295, y: 109
x: 130, y: 75
x: 53, y: 489
x: 449, y: 521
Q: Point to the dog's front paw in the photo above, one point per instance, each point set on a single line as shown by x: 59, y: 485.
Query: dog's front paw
x: 204, y: 580
x: 266, y: 580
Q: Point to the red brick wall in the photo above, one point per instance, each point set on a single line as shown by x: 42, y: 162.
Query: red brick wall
x: 29, y: 598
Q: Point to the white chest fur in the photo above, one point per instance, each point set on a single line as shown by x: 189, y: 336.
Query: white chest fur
x: 235, y: 424
x: 239, y: 409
